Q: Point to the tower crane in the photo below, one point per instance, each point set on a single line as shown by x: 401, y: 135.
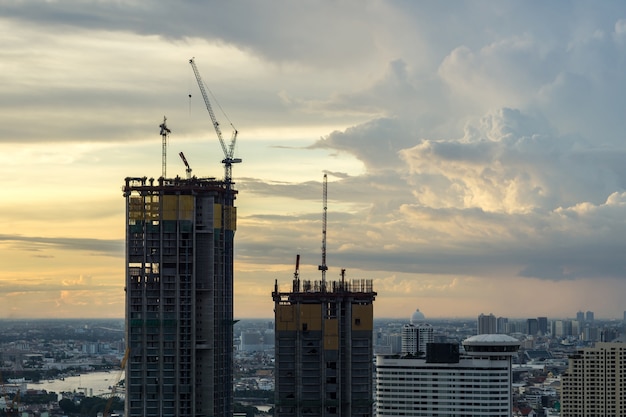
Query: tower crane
x: 323, y: 266
x: 164, y: 134
x: 296, y: 275
x: 114, y: 387
x: 188, y: 168
x: 229, y: 150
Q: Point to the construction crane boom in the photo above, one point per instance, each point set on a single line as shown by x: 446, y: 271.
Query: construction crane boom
x: 228, y: 150
x: 187, y: 167
x: 296, y: 275
x: 323, y: 266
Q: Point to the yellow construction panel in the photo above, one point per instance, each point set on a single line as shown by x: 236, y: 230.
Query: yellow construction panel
x: 170, y: 207
x: 311, y: 315
x: 331, y: 334
x: 285, y: 318
x: 186, y: 207
x: 217, y: 216
x: 231, y: 218
x: 363, y: 314
x: 178, y: 207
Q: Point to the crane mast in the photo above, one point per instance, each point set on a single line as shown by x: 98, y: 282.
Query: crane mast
x: 323, y: 266
x: 228, y: 150
x: 164, y: 134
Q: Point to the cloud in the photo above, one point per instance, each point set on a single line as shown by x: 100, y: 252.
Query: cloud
x: 113, y: 247
x: 510, y: 197
x: 511, y: 162
x: 467, y: 145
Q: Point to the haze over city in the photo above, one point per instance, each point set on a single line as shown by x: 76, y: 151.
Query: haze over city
x: 474, y: 149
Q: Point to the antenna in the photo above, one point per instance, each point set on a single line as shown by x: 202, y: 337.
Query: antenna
x: 164, y: 133
x: 323, y: 266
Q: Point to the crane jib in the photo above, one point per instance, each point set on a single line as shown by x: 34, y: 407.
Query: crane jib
x: 228, y: 150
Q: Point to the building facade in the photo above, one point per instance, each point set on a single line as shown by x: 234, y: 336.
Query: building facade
x: 594, y: 384
x: 543, y: 325
x: 179, y: 297
x: 323, y: 349
x: 449, y: 383
x: 487, y: 324
x: 532, y: 327
x: 502, y: 325
x: 415, y: 337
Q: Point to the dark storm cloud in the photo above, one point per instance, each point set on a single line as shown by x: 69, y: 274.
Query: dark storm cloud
x: 40, y: 244
x: 279, y: 31
x: 376, y: 143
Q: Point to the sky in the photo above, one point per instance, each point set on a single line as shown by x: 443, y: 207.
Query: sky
x: 474, y: 149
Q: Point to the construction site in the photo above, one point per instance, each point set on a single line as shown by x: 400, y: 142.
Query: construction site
x: 179, y: 288
x: 324, y: 343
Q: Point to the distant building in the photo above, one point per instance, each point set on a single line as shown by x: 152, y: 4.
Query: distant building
x: 415, y: 338
x: 417, y: 317
x: 532, y: 327
x: 251, y: 341
x: 474, y: 383
x: 580, y: 317
x: 542, y: 322
x: 595, y: 382
x: 502, y: 325
x: 590, y: 334
x: 562, y: 328
x: 487, y: 324
x: 589, y: 317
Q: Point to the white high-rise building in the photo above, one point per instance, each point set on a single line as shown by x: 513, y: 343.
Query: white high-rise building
x: 415, y: 337
x: 595, y: 382
x: 448, y: 383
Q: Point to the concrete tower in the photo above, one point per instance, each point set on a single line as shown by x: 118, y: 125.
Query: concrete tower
x: 324, y: 351
x: 179, y: 297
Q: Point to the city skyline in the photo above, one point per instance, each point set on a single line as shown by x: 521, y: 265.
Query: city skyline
x: 473, y: 152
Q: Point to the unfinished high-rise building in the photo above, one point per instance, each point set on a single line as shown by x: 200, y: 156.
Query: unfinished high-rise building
x: 179, y: 297
x: 323, y: 348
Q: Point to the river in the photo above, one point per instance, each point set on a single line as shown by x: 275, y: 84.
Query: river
x: 92, y: 384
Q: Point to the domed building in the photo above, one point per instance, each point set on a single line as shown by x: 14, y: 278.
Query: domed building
x: 417, y: 317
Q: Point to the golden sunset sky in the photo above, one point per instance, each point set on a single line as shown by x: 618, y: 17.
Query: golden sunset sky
x: 474, y: 149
